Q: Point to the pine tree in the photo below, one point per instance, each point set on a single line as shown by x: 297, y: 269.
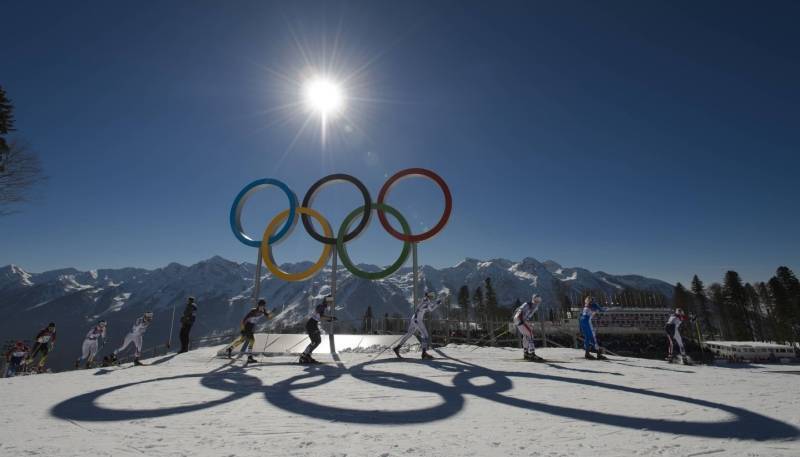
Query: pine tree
x: 782, y: 310
x: 367, y: 324
x: 6, y: 126
x: 717, y: 299
x: 735, y: 300
x: 770, y: 324
x: 789, y: 281
x: 491, y: 299
x: 792, y: 286
x: 20, y: 167
x: 681, y: 298
x: 463, y: 302
x: 702, y: 306
x: 479, y: 304
x: 756, y: 312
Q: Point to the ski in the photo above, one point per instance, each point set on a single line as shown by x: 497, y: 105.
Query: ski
x: 541, y: 361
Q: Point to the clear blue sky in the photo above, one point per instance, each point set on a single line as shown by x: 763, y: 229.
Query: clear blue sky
x: 657, y: 138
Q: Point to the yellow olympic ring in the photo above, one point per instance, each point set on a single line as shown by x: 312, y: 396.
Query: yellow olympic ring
x: 266, y: 247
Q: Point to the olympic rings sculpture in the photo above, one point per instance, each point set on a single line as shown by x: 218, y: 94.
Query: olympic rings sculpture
x: 280, y: 226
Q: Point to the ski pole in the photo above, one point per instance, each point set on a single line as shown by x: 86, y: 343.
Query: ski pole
x: 266, y: 345
x: 387, y: 347
x: 297, y: 344
x: 496, y: 336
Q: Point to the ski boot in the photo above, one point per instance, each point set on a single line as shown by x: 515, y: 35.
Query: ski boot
x: 397, y: 352
x: 251, y: 359
x: 588, y: 356
x: 532, y: 357
x: 112, y: 360
x: 137, y: 363
x: 307, y: 359
x: 426, y: 356
x: 600, y: 355
x: 527, y: 356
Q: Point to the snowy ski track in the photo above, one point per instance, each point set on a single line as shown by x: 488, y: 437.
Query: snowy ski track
x: 482, y: 402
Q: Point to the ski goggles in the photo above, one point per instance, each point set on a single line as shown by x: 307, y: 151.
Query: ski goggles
x: 280, y: 225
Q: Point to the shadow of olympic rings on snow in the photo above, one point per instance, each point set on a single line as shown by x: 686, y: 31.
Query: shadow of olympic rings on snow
x: 469, y: 379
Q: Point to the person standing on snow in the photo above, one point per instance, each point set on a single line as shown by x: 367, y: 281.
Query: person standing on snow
x: 15, y: 357
x: 91, y: 344
x: 673, y: 329
x: 246, y: 336
x: 416, y: 324
x: 45, y: 341
x: 312, y: 328
x: 587, y: 329
x: 187, y: 320
x: 523, y: 317
x: 135, y: 337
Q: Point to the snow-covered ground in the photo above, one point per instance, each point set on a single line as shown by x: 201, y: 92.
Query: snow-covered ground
x: 483, y: 402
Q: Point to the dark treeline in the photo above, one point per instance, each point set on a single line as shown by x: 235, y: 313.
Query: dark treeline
x: 764, y: 311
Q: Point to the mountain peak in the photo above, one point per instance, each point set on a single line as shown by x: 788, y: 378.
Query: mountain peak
x: 13, y: 273
x: 552, y: 266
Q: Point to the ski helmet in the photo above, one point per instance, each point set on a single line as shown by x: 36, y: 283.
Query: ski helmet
x: 430, y: 295
x: 191, y: 299
x: 51, y: 324
x: 261, y: 303
x: 20, y: 343
x: 102, y: 323
x: 148, y: 315
x: 534, y: 297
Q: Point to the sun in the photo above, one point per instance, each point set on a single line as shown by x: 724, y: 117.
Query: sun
x: 323, y: 96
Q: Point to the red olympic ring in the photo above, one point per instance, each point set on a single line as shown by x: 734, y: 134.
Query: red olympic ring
x: 448, y: 204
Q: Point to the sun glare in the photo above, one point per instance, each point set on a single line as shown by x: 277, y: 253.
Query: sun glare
x: 323, y: 96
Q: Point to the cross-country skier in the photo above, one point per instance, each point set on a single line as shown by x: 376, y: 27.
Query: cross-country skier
x: 522, y: 319
x: 416, y: 324
x: 15, y: 357
x: 246, y: 336
x: 312, y: 328
x: 135, y: 337
x: 673, y: 329
x: 91, y: 344
x: 587, y: 329
x: 44, y: 342
x: 187, y: 320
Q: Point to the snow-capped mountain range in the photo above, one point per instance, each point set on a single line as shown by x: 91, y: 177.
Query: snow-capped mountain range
x: 76, y: 299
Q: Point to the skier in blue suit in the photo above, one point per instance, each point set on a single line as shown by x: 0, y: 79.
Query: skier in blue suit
x: 587, y: 330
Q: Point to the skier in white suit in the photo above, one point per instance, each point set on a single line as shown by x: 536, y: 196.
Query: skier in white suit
x: 673, y: 330
x: 91, y: 344
x: 416, y: 324
x: 135, y: 337
x: 522, y: 319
